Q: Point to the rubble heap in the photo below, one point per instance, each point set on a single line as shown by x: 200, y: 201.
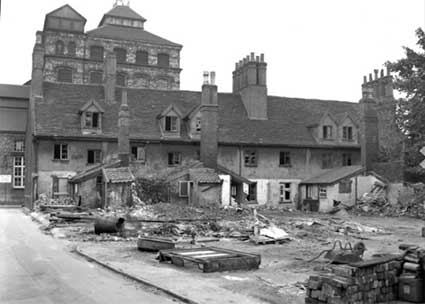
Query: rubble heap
x: 372, y: 281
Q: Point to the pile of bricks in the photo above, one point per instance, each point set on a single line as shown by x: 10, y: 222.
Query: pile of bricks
x: 373, y: 281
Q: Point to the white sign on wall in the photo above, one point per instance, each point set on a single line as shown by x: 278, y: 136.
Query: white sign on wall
x: 5, y: 179
x: 422, y: 150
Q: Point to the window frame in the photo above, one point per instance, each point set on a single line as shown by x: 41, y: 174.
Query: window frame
x: 323, y: 192
x: 173, y: 128
x: 61, y: 152
x: 283, y: 190
x: 250, y: 158
x: 18, y: 177
x: 327, y: 132
x: 347, y: 159
x: 161, y: 60
x: 22, y: 148
x: 121, y: 54
x: 345, y: 186
x: 97, y: 156
x: 285, y: 159
x: 99, y: 52
x: 88, y: 120
x: 347, y: 133
x: 136, y: 156
x: 60, y: 77
x: 142, y: 54
x: 175, y: 159
x: 187, y: 187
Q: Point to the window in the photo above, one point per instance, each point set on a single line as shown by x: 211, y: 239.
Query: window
x: 71, y: 48
x: 96, y: 52
x: 163, y: 60
x: 170, y: 123
x: 94, y: 156
x: 327, y: 132
x: 96, y: 77
x: 18, y: 172
x: 65, y: 75
x: 92, y: 120
x: 252, y: 192
x: 60, y: 151
x: 142, y: 57
x: 19, y: 146
x: 138, y: 153
x: 174, y: 158
x: 345, y: 186
x: 198, y: 124
x: 122, y: 79
x: 284, y: 158
x: 250, y: 158
x: 121, y: 55
x: 309, y: 192
x: 184, y: 188
x: 347, y: 133
x: 323, y: 192
x: 59, y: 50
x: 346, y: 159
x: 60, y: 186
x: 285, y: 193
x: 326, y: 160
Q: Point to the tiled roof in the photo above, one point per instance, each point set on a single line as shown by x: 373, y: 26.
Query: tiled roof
x: 93, y: 172
x: 118, y: 175
x: 332, y: 176
x: 129, y: 33
x: 287, y: 122
x: 124, y: 12
x: 14, y: 91
x: 204, y: 176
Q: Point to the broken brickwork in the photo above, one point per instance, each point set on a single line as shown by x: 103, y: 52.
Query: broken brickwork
x: 369, y: 283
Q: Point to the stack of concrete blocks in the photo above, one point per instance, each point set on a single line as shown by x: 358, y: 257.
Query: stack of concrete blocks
x: 366, y: 283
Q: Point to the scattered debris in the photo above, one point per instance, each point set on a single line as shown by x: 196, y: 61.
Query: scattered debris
x: 344, y: 254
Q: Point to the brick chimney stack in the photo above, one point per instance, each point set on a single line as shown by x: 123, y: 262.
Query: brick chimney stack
x: 110, y: 77
x: 37, y: 67
x: 250, y: 81
x: 381, y: 85
x: 369, y: 141
x: 124, y: 131
x: 209, y: 124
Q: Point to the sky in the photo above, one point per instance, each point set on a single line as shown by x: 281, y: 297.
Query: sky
x: 313, y: 48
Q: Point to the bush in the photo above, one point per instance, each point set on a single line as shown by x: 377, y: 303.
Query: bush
x: 152, y: 190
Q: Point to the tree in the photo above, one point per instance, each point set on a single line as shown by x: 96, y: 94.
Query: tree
x: 409, y: 79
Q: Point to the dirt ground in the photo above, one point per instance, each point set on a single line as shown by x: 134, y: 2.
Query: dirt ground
x: 284, y: 267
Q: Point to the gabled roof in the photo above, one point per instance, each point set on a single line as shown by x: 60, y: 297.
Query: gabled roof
x: 171, y: 107
x: 332, y: 176
x: 118, y: 175
x: 122, y: 11
x: 286, y: 125
x: 93, y: 172
x: 130, y: 34
x: 66, y: 11
x: 91, y: 103
x: 15, y: 91
x: 204, y: 176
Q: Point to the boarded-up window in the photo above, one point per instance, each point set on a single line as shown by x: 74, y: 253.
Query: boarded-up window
x: 96, y: 52
x: 345, y: 186
x: 59, y: 47
x: 250, y: 158
x: 184, y: 188
x: 96, y: 77
x: 142, y: 57
x: 163, y: 60
x: 71, y: 48
x: 64, y: 75
x: 121, y: 79
x: 121, y: 55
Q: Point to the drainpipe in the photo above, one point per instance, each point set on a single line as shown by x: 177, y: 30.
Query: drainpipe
x: 355, y: 188
x: 240, y: 160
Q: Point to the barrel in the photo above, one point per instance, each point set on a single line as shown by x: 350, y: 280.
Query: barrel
x: 109, y: 225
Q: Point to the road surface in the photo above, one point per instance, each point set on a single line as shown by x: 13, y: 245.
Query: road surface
x: 38, y: 269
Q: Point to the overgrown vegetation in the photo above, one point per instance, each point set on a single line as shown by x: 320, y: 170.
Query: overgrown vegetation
x: 152, y: 190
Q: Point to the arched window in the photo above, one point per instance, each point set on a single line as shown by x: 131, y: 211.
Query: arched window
x: 64, y: 74
x: 59, y: 47
x: 163, y: 60
x: 142, y: 57
x: 96, y: 52
x: 121, y: 79
x: 71, y: 48
x: 96, y: 77
x: 121, y: 55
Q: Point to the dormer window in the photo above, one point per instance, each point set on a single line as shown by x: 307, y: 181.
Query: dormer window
x: 327, y: 132
x: 347, y: 133
x: 91, y: 117
x: 170, y: 123
x: 198, y: 124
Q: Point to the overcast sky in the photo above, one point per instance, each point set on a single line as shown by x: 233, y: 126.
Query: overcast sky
x: 314, y: 48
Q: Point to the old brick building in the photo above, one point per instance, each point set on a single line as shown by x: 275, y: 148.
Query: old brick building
x: 262, y: 145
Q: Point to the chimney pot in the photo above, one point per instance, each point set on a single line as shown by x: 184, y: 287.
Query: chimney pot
x: 257, y: 58
x: 382, y: 73
x: 388, y: 71
x: 262, y: 57
x: 364, y: 79
x: 376, y: 73
x: 212, y: 76
x: 370, y: 77
x: 252, y: 56
x: 206, y: 75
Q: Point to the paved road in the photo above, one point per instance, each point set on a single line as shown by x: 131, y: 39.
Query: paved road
x: 35, y: 268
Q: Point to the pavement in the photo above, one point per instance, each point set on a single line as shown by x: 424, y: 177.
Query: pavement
x: 37, y: 269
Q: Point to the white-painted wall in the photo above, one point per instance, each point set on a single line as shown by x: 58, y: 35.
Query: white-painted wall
x: 268, y: 191
x: 225, y: 189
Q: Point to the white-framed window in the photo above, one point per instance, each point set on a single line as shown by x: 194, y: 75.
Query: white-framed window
x: 170, y: 123
x: 18, y: 172
x: 184, y: 188
x: 138, y: 153
x: 60, y: 152
x: 19, y: 146
x: 285, y: 192
x: 323, y: 193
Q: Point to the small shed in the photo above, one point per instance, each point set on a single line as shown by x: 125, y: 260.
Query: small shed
x: 321, y: 192
x: 117, y: 183
x: 206, y: 189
